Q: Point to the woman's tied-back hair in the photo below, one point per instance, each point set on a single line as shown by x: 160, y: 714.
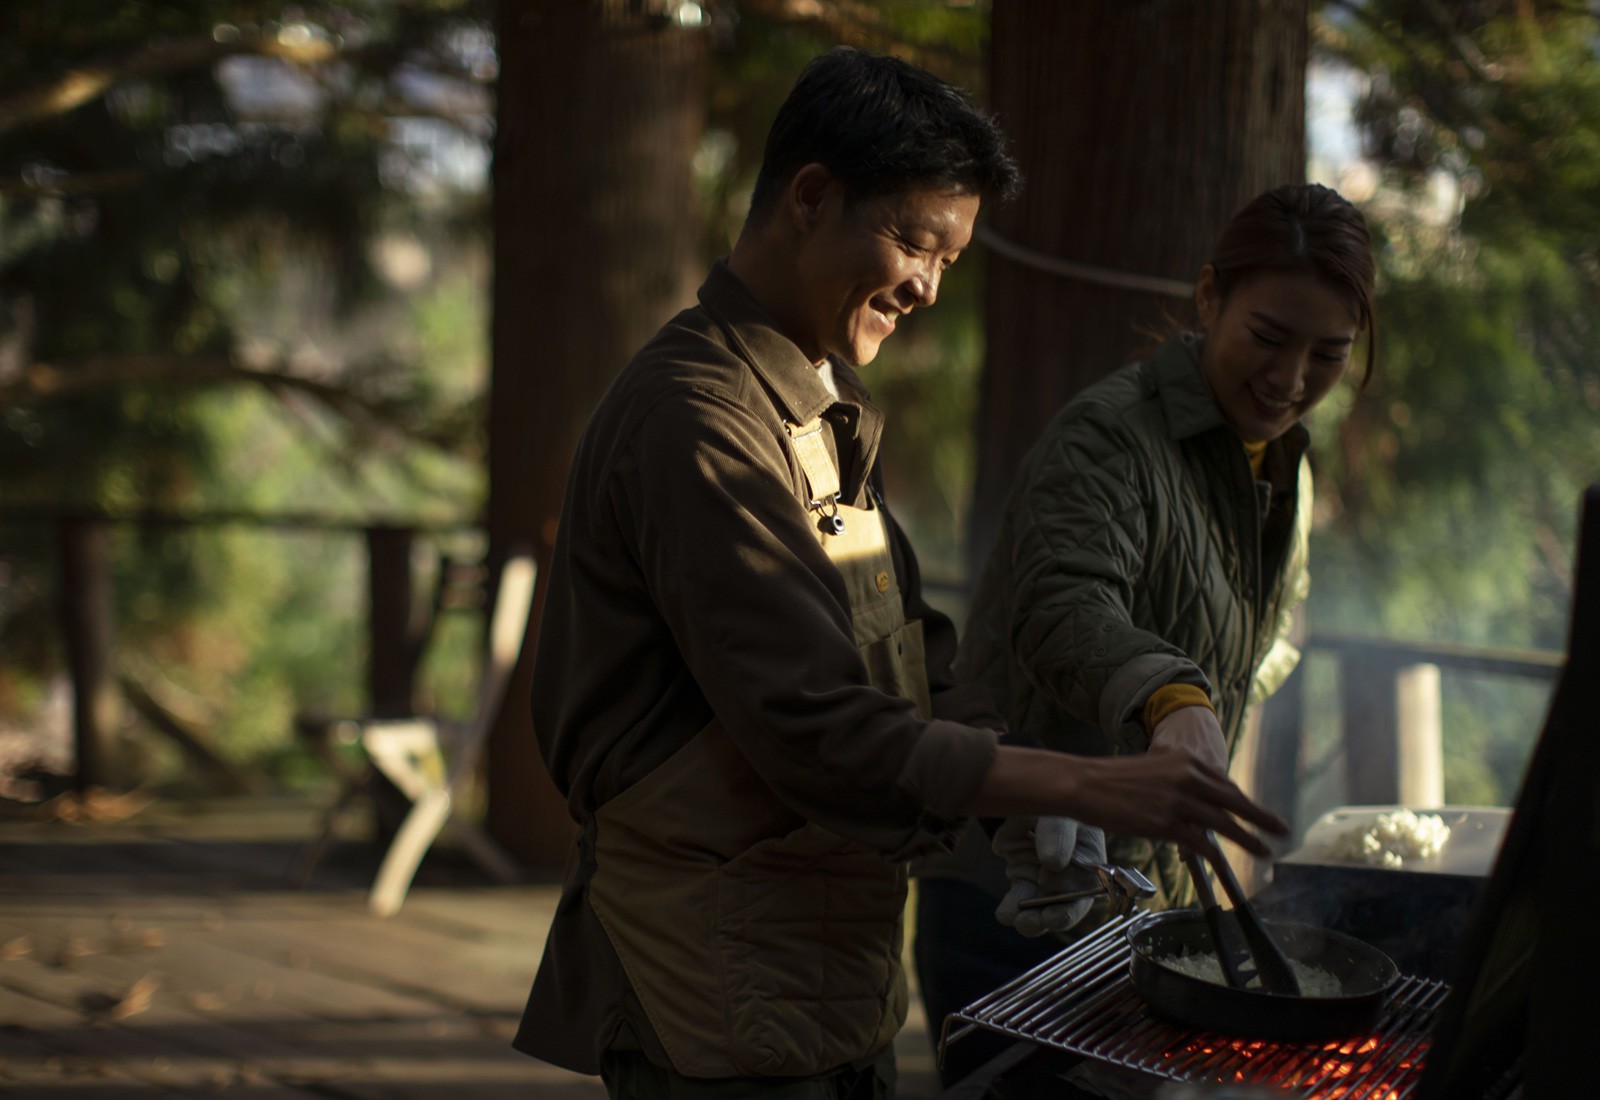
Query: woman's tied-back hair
x: 1303, y: 227
x: 881, y: 125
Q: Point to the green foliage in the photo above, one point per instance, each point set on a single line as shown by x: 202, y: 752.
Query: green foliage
x: 1448, y: 496
x: 1485, y: 418
x: 216, y: 219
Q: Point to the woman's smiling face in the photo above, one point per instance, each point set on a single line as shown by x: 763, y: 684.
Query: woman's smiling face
x: 1276, y: 344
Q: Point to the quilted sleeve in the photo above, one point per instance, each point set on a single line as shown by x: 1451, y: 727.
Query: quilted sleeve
x: 1083, y: 517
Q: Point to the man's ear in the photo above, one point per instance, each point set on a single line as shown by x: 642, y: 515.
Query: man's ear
x: 1208, y: 297
x: 809, y: 191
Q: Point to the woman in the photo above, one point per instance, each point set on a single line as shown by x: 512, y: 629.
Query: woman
x: 1150, y: 556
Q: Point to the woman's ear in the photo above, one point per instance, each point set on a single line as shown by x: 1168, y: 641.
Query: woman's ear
x: 1208, y: 297
x: 808, y: 193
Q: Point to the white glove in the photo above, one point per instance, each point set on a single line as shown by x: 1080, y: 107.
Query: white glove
x: 1045, y: 856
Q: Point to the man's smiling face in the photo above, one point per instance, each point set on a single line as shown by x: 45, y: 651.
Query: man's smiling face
x: 866, y: 264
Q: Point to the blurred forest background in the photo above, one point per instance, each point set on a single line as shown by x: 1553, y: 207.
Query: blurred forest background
x: 249, y: 255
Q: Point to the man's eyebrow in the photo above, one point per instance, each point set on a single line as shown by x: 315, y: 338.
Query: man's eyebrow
x: 1271, y: 321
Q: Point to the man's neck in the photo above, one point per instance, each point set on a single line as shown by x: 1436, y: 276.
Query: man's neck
x: 764, y: 267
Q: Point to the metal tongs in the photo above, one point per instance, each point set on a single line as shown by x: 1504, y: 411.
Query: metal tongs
x: 1123, y: 885
x: 1242, y: 942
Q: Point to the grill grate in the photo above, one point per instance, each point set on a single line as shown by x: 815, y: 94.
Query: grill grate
x: 1082, y: 1001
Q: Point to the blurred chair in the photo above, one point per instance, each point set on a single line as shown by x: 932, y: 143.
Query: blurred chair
x: 429, y: 760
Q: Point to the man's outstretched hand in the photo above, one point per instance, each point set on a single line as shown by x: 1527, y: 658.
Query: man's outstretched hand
x: 1159, y: 795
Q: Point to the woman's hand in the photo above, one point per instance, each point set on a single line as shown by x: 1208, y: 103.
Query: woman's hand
x: 1193, y: 730
x: 1160, y: 795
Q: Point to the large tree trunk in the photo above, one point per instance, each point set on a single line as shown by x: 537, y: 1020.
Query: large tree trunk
x: 601, y: 108
x: 1141, y: 127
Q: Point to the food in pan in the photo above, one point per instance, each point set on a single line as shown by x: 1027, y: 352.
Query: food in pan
x: 1391, y: 839
x: 1314, y: 981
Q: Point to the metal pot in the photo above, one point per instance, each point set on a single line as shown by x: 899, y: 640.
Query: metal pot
x: 1365, y: 975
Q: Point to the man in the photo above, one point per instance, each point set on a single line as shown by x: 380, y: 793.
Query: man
x: 738, y: 685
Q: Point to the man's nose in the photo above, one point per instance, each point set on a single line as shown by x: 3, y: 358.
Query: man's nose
x: 924, y: 288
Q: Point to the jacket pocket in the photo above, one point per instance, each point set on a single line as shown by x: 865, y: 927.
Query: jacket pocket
x: 808, y: 928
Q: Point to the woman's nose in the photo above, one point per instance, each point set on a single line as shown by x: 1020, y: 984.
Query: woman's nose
x: 1289, y: 370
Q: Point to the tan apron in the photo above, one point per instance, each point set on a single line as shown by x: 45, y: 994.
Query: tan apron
x: 758, y: 943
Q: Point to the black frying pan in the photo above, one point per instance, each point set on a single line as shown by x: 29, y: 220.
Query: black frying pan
x: 1364, y: 972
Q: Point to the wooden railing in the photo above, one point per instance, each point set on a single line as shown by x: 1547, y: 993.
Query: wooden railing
x: 1390, y: 714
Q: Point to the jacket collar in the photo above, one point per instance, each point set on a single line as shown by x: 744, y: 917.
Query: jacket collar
x: 793, y: 381
x: 1186, y: 399
x: 787, y: 373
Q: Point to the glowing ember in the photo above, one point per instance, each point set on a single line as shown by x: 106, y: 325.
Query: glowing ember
x: 1362, y: 1067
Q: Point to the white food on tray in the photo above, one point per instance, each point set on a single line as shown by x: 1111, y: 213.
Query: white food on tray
x: 1391, y: 839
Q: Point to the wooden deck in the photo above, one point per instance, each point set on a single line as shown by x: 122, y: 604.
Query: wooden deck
x: 165, y: 955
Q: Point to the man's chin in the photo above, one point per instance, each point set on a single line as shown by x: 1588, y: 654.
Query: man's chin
x: 861, y: 354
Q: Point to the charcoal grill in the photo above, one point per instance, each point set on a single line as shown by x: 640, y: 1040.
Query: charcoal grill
x: 1081, y: 1002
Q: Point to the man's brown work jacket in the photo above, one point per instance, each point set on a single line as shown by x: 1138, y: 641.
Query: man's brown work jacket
x: 688, y: 583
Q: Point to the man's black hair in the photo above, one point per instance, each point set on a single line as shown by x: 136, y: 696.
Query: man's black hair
x: 881, y: 125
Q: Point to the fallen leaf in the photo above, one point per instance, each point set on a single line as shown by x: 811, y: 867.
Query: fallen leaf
x: 97, y: 804
x: 206, y: 1002
x: 137, y: 999
x: 74, y: 949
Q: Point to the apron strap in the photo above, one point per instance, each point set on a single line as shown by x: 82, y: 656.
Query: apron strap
x: 822, y: 476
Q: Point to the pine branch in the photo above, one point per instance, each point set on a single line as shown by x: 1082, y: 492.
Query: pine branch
x: 73, y: 185
x: 1440, y: 95
x: 848, y: 21
x: 87, y: 83
x: 48, y: 381
x: 1467, y: 50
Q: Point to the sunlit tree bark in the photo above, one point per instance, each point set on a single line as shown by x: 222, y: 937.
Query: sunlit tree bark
x: 601, y: 108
